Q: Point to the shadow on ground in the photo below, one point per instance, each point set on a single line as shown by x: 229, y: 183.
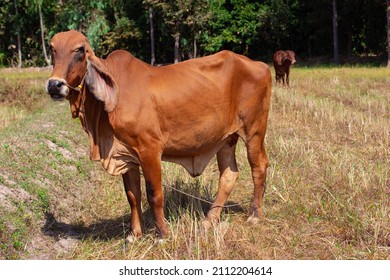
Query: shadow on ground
x: 118, y: 228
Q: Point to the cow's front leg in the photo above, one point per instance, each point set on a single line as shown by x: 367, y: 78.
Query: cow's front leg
x: 131, y: 181
x: 278, y: 78
x: 151, y: 167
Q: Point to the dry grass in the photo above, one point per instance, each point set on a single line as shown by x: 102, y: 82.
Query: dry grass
x: 20, y: 93
x: 327, y: 194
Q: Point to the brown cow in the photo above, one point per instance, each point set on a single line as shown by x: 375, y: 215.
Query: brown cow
x: 137, y: 115
x: 282, y: 62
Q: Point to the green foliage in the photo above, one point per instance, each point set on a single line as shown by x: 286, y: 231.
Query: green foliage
x: 97, y: 28
x: 234, y: 25
x: 280, y: 17
x: 255, y: 28
x: 187, y: 19
x: 122, y: 36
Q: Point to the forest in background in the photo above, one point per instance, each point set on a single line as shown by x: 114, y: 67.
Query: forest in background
x: 164, y: 31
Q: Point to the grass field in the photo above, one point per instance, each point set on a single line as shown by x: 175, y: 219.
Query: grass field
x: 328, y: 187
x: 20, y: 93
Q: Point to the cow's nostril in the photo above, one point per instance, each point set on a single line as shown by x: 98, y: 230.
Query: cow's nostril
x: 54, y: 86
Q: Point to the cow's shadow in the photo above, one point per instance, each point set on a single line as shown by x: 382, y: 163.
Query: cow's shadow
x: 177, y: 202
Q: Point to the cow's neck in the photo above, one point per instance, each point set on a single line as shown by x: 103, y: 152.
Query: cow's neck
x: 95, y: 122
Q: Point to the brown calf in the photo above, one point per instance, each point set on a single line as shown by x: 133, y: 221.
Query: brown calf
x: 282, y: 62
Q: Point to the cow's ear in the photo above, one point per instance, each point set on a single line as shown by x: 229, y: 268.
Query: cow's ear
x: 101, y: 84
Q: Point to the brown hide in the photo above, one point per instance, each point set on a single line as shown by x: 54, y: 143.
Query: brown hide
x: 137, y: 115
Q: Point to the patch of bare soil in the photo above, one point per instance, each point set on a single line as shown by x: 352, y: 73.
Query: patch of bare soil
x: 10, y: 196
x: 49, y: 232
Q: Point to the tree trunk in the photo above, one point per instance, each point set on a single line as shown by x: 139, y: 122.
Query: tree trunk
x: 152, y: 52
x: 47, y: 59
x: 19, y: 45
x: 388, y: 33
x: 19, y: 49
x: 176, y: 48
x: 335, y: 34
x: 196, y: 48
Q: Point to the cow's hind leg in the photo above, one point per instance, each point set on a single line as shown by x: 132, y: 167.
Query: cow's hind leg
x: 258, y: 161
x: 131, y: 181
x: 228, y: 170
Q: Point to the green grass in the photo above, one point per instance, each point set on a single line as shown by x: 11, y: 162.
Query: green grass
x: 327, y: 188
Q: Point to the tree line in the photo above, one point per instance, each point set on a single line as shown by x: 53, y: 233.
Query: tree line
x: 166, y: 31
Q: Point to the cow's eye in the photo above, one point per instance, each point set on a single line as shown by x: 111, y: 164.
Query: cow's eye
x: 81, y: 50
x: 80, y: 53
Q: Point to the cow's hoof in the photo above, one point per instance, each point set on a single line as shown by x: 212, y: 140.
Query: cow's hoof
x: 130, y: 239
x: 253, y: 220
x: 207, y: 225
x: 160, y: 241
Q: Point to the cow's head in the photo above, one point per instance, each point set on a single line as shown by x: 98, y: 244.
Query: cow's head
x: 291, y: 56
x: 74, y: 63
x: 281, y: 56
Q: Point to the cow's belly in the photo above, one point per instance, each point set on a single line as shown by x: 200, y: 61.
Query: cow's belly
x: 117, y: 158
x: 194, y: 160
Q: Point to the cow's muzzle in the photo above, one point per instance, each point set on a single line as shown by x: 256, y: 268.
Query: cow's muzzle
x: 57, y: 88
